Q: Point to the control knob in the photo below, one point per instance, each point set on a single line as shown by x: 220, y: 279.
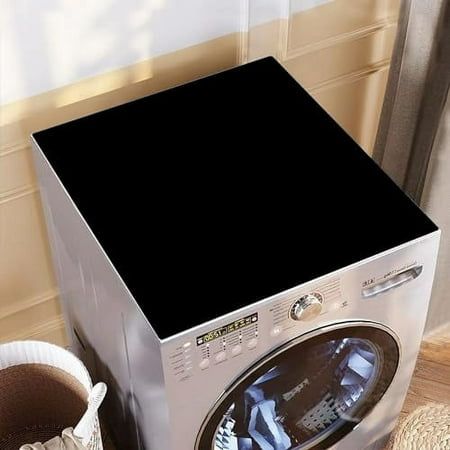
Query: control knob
x: 307, y: 307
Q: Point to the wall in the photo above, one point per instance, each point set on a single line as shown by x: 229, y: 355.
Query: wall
x: 62, y: 59
x: 52, y: 43
x: 436, y: 202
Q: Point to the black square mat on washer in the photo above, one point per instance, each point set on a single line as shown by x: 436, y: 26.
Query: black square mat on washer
x: 226, y: 190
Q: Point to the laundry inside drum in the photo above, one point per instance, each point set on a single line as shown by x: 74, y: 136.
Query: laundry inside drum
x: 298, y: 403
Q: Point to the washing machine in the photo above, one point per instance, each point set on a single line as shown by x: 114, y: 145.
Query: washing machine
x: 236, y: 268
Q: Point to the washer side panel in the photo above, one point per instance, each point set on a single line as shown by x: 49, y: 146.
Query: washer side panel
x: 105, y: 326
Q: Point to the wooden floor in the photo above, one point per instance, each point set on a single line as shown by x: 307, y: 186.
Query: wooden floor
x: 431, y: 380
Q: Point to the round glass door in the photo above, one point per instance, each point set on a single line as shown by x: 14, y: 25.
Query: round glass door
x: 307, y: 394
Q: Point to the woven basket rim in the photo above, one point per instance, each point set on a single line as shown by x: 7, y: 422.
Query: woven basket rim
x: 38, y: 352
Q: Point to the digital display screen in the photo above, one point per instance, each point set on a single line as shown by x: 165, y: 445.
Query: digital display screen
x: 222, y: 331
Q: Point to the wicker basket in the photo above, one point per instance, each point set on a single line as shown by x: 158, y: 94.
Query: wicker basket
x: 45, y: 389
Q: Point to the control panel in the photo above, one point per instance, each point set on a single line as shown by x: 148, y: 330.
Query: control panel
x: 215, y: 347
x: 233, y: 340
x: 230, y: 340
x: 237, y: 342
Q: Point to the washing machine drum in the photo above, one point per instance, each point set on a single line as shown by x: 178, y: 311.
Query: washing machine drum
x: 307, y: 394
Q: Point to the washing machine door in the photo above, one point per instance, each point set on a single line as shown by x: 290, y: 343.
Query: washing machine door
x: 307, y: 394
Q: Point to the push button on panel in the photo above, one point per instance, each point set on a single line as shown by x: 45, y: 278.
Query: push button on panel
x: 236, y: 350
x: 221, y: 356
x: 252, y: 343
x: 204, y: 364
x: 275, y: 331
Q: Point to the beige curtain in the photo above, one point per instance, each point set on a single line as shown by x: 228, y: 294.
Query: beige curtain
x: 413, y: 140
x: 436, y: 202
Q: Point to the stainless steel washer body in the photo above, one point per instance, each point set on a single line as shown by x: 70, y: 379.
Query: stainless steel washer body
x: 236, y: 299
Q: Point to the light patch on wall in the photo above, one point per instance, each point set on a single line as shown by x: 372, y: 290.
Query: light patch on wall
x: 297, y: 6
x: 9, y: 56
x: 142, y: 71
x: 140, y: 20
x: 52, y: 43
x: 48, y: 44
x: 60, y: 49
x: 93, y: 87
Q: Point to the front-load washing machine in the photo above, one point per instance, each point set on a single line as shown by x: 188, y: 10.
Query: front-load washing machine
x: 234, y: 266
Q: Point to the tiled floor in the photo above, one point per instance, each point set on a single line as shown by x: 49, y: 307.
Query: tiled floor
x: 431, y: 380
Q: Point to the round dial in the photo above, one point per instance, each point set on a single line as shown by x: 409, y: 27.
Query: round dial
x: 307, y: 307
